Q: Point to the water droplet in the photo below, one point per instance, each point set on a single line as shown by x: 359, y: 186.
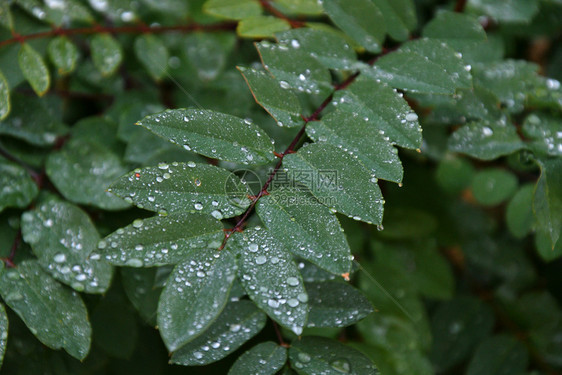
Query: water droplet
x: 198, y: 206
x: 304, y: 357
x: 137, y: 223
x: 253, y: 247
x: 134, y: 262
x: 293, y: 302
x: 191, y: 164
x: 197, y: 182
x: 59, y: 258
x: 292, y: 281
x: 261, y: 259
x: 411, y: 117
x: 341, y: 365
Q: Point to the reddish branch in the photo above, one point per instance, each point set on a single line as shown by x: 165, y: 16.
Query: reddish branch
x: 459, y: 7
x: 17, y: 38
x: 9, y: 261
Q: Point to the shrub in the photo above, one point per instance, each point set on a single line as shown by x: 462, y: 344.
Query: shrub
x: 218, y: 169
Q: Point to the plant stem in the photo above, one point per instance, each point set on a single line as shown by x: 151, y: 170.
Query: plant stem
x: 133, y: 29
x: 15, y: 245
x: 460, y: 5
x: 266, y: 5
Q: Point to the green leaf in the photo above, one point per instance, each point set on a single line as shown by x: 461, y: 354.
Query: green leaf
x: 335, y: 304
x: 383, y: 109
x: 141, y: 287
x: 499, y: 354
x: 506, y: 11
x: 213, y: 134
x: 307, y: 228
x: 424, y: 66
x: 56, y: 315
x: 17, y: 187
x: 261, y: 26
x: 162, y: 240
x: 32, y: 120
x: 454, y: 174
x: 328, y: 47
x: 153, y: 54
x: 239, y: 322
x: 266, y: 358
x: 233, y: 9
x: 545, y: 132
x: 361, y: 19
x: 270, y: 277
x: 492, y: 186
x: 295, y: 68
x: 185, y: 187
x: 207, y: 54
x: 280, y: 103
x: 4, y: 333
x: 519, y: 212
x: 6, y: 18
x: 63, y: 237
x: 313, y: 355
x: 458, y: 326
x: 486, y: 140
x: 337, y: 180
x: 64, y: 54
x: 547, y: 203
x: 509, y: 80
x: 5, y: 104
x: 106, y: 53
x: 195, y: 294
x: 34, y: 69
x: 83, y: 170
x: 458, y: 30
x: 400, y: 17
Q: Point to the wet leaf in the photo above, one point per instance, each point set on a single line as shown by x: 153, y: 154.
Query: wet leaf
x: 313, y: 355
x: 32, y: 120
x: 337, y: 179
x: 545, y: 132
x: 266, y: 358
x: 143, y: 289
x: 34, y: 69
x: 383, y: 109
x: 233, y: 9
x: 82, y: 172
x: 106, y: 53
x: 547, y: 203
x: 212, y: 134
x: 486, y: 140
x: 3, y: 332
x: 307, y: 228
x: 261, y: 26
x: 335, y: 304
x: 458, y: 30
x: 162, y: 240
x: 309, y: 7
x: 17, y: 188
x: 63, y: 237
x: 5, y: 103
x: 328, y: 47
x: 493, y: 186
x: 506, y: 11
x: 281, y: 104
x: 270, y: 277
x: 424, y: 66
x: 153, y: 54
x: 54, y: 314
x: 362, y: 20
x: 64, y: 54
x: 194, y: 296
x: 239, y: 322
x: 185, y: 187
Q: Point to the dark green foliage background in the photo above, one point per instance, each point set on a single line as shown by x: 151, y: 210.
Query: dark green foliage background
x: 460, y: 273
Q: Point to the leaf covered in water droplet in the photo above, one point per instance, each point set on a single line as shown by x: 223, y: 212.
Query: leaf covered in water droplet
x: 337, y: 180
x: 106, y: 53
x: 213, y: 134
x: 185, y: 187
x: 4, y: 332
x: 313, y: 355
x: 195, y: 294
x: 162, y: 240
x: 63, y: 237
x: 239, y: 322
x: 266, y: 358
x: 306, y: 227
x: 270, y: 276
x: 54, y: 314
x: 16, y: 186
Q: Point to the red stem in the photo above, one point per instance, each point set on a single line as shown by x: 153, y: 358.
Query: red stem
x: 10, y: 259
x: 266, y: 5
x: 141, y: 28
x: 459, y: 7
